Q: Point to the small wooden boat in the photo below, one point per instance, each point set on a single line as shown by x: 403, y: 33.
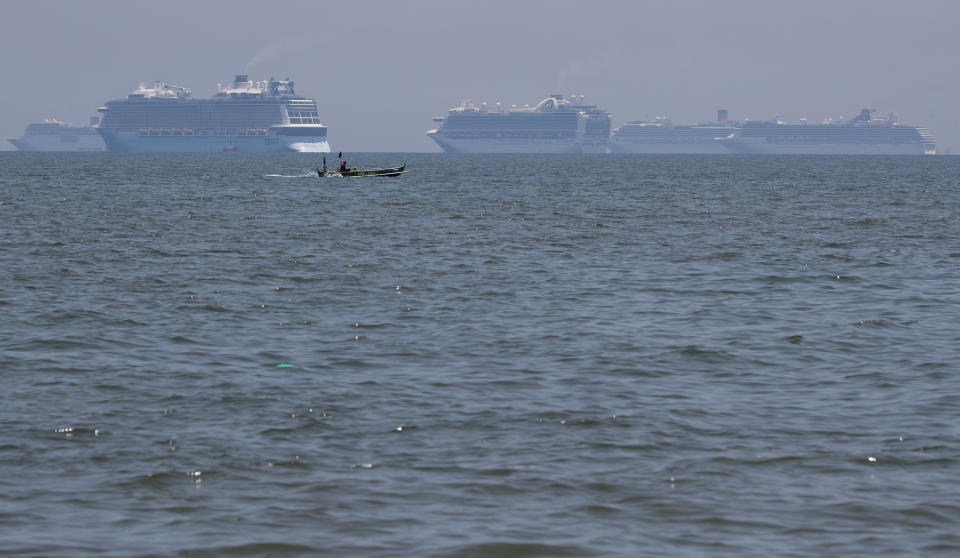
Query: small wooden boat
x: 388, y: 171
x: 343, y: 171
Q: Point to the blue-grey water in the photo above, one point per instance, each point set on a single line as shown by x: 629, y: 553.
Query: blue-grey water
x: 491, y: 356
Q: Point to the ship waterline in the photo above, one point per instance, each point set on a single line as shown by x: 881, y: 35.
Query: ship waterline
x: 508, y: 144
x: 176, y: 141
x: 246, y: 116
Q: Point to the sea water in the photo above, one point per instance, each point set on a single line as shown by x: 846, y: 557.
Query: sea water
x: 224, y: 355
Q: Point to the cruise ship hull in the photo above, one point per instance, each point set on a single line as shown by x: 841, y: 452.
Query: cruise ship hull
x: 657, y: 138
x: 136, y: 143
x: 715, y: 148
x: 72, y: 142
x: 785, y: 148
x: 512, y: 145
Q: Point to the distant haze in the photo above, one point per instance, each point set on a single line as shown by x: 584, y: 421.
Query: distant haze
x: 380, y: 71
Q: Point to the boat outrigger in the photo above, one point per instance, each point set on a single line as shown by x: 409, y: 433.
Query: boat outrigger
x: 347, y: 171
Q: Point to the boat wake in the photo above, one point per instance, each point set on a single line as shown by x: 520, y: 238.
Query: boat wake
x: 304, y: 175
x: 311, y: 147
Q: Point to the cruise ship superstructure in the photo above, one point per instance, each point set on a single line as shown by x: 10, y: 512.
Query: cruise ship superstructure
x: 662, y: 136
x: 246, y: 116
x: 555, y: 125
x: 862, y: 135
x: 53, y: 135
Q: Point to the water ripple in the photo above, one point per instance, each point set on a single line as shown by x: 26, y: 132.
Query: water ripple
x: 210, y: 356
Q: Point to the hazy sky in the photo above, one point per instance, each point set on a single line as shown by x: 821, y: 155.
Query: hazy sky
x: 380, y: 71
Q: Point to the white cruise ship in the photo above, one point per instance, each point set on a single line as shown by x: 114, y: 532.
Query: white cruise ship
x: 53, y: 135
x: 662, y: 136
x: 555, y: 125
x: 862, y: 135
x: 246, y: 116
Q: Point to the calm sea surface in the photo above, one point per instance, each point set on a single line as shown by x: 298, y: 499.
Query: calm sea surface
x: 491, y: 356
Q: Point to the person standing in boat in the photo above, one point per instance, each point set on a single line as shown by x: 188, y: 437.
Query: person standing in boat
x: 343, y: 166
